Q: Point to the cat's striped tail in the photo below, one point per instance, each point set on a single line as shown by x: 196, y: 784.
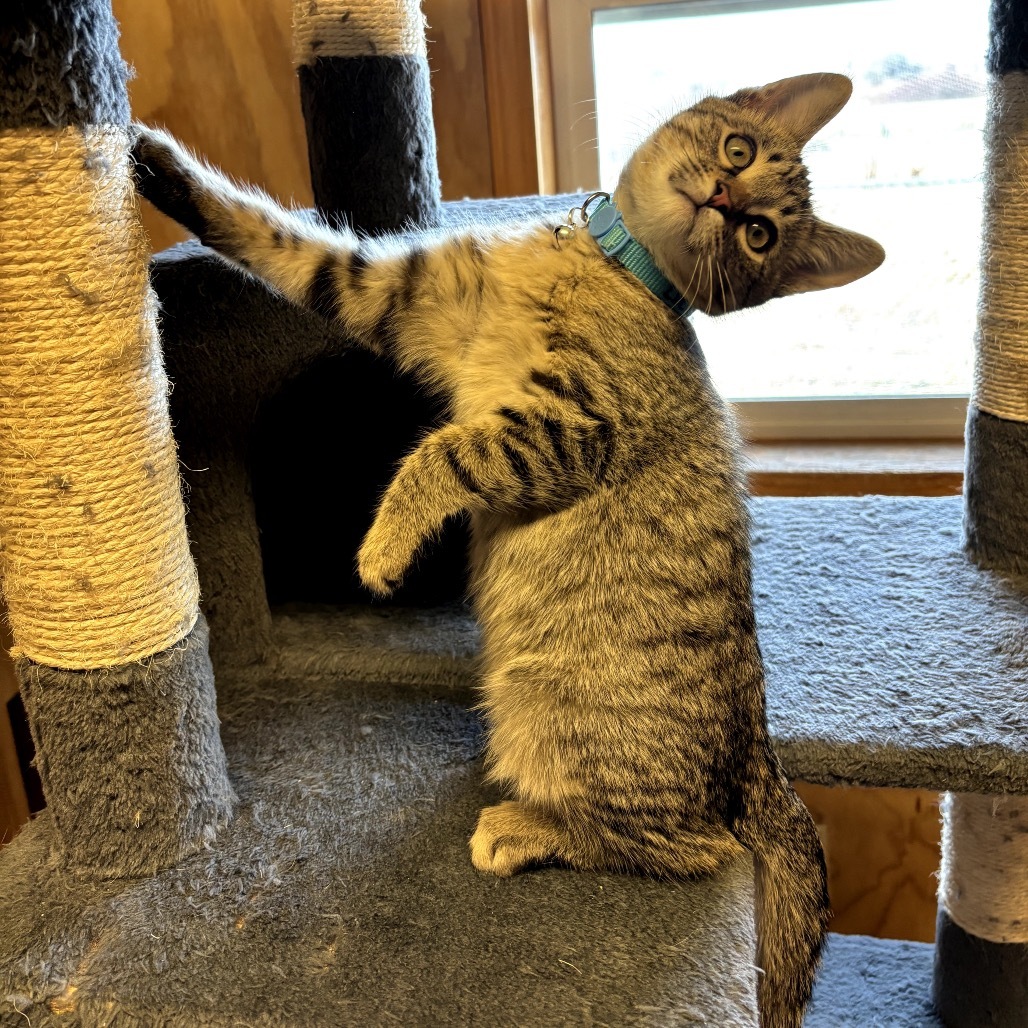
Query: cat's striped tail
x: 791, y: 894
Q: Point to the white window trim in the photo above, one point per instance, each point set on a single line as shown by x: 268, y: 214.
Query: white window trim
x: 574, y: 119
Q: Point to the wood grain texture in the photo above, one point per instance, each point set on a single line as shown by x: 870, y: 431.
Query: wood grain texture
x: 459, y: 104
x: 510, y: 95
x: 542, y: 94
x: 856, y: 469
x: 14, y: 805
x: 218, y: 74
x: 882, y: 849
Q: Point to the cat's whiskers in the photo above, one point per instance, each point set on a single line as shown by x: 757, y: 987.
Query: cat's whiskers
x: 724, y: 278
x: 687, y: 292
x: 698, y: 273
x: 731, y: 289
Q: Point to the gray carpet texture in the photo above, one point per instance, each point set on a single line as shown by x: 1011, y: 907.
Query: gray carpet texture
x: 873, y: 983
x: 367, y: 178
x: 892, y: 659
x: 61, y: 65
x: 343, y: 894
x: 978, y: 983
x: 130, y: 758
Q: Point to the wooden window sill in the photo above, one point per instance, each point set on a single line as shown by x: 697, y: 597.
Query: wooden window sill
x: 920, y: 468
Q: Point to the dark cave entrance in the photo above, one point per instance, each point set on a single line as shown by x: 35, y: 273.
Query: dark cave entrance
x: 323, y: 450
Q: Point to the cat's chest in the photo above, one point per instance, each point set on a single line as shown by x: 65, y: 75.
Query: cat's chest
x: 497, y: 368
x: 513, y: 335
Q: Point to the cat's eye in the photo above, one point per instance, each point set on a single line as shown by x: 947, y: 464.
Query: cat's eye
x: 761, y: 234
x: 740, y: 151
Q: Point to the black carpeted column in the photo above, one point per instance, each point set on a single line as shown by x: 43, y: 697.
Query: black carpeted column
x: 111, y: 653
x: 364, y: 87
x: 981, y: 957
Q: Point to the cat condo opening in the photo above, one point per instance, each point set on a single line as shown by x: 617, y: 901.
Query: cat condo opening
x: 323, y: 450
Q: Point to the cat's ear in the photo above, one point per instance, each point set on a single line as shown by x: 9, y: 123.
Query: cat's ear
x: 800, y: 105
x: 833, y: 257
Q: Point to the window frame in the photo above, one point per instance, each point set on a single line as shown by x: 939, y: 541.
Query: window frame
x: 572, y: 92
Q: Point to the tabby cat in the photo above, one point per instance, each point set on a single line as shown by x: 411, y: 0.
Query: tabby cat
x: 622, y: 683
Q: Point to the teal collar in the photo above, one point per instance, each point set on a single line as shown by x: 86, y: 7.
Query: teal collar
x: 607, y: 227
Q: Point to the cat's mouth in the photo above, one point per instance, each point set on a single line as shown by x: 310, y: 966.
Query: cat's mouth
x: 686, y: 195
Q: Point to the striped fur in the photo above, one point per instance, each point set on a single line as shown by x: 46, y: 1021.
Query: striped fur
x: 622, y: 681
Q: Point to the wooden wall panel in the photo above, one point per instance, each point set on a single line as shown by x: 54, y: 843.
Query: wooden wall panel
x: 882, y: 850
x: 219, y: 75
x: 507, y: 55
x: 458, y: 98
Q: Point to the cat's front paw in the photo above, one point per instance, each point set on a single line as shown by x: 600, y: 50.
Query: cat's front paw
x: 509, y: 837
x: 379, y: 567
x: 167, y: 175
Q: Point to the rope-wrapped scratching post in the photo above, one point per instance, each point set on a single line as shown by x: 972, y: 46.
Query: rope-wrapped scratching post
x: 981, y: 958
x: 373, y: 162
x: 100, y: 585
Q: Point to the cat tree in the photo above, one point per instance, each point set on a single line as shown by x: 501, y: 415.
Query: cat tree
x: 981, y: 966
x: 340, y: 892
x: 100, y: 586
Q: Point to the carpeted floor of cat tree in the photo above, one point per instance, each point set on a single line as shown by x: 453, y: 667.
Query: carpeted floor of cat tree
x: 343, y: 894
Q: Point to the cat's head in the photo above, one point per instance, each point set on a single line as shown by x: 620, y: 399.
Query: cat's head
x: 720, y: 197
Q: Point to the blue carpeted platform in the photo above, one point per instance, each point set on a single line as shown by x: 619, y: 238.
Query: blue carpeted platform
x: 892, y: 659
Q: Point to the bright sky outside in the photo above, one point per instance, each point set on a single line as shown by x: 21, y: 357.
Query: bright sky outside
x: 902, y: 162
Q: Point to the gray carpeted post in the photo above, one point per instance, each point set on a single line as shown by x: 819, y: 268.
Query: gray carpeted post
x: 373, y: 162
x: 981, y: 958
x: 109, y: 648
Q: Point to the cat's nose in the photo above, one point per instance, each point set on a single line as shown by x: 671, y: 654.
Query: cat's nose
x: 721, y: 197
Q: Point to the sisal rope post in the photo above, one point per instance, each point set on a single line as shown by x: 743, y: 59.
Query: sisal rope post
x: 1001, y: 350
x: 981, y: 956
x: 351, y: 28
x: 983, y: 881
x: 95, y: 559
x: 110, y: 650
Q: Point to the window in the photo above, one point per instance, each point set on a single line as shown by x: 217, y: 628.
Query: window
x: 888, y: 356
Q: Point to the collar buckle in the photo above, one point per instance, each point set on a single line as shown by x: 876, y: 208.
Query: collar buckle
x: 607, y: 226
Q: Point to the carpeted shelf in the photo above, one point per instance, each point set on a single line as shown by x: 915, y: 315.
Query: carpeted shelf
x: 892, y: 660
x: 343, y: 894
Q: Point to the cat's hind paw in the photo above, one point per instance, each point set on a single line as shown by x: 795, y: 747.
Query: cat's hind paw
x: 510, y: 837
